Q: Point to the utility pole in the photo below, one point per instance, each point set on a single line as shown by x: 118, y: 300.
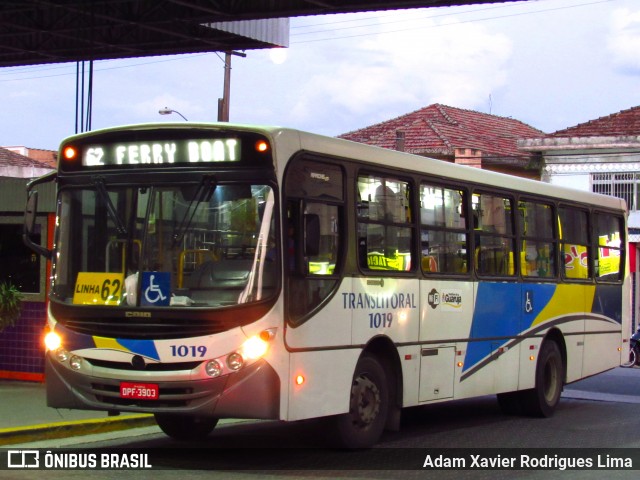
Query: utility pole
x: 223, y: 103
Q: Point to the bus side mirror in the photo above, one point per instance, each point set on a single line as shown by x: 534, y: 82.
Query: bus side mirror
x: 311, y: 235
x: 30, y: 212
x: 29, y: 225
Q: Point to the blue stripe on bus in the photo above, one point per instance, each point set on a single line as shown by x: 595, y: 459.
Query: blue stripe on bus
x: 146, y: 348
x: 77, y: 341
x: 499, y: 315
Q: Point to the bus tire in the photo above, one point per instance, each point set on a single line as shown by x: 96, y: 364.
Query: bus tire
x: 541, y: 401
x: 184, y: 427
x: 362, y: 426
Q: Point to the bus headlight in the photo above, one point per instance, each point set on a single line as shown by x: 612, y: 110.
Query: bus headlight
x: 62, y: 355
x: 235, y: 361
x: 52, y: 341
x: 251, y: 350
x: 257, y: 346
x: 254, y: 348
x: 75, y: 362
x: 213, y: 368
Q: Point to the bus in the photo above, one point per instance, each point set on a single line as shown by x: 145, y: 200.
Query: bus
x: 210, y: 271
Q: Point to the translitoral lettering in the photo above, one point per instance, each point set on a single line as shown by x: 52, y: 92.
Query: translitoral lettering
x: 360, y: 301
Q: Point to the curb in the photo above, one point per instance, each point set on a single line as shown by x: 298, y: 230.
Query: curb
x: 600, y: 397
x: 49, y: 431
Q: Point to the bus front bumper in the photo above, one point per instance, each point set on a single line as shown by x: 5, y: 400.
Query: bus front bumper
x: 252, y: 392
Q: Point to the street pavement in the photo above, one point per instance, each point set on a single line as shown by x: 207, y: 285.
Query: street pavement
x: 25, y: 417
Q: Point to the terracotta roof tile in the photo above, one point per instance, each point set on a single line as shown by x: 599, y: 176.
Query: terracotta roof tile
x: 439, y: 129
x: 623, y: 123
x: 12, y: 159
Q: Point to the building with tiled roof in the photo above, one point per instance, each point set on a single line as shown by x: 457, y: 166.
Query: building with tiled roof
x: 46, y: 156
x: 621, y: 124
x: 601, y: 155
x: 456, y: 135
x: 15, y: 165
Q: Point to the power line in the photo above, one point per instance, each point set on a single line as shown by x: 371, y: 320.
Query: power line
x: 367, y: 18
x: 182, y: 57
x: 29, y: 69
x: 423, y: 27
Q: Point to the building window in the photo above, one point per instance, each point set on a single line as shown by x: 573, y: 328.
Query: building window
x: 618, y: 184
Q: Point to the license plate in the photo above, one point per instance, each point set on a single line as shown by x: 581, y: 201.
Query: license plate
x: 139, y: 391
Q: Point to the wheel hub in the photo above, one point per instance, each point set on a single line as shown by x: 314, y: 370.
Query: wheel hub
x: 365, y: 401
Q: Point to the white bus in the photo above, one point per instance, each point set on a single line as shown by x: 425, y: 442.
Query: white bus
x: 207, y: 271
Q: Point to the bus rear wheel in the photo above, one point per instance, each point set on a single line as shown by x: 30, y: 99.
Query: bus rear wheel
x: 184, y: 427
x: 362, y: 426
x: 541, y: 401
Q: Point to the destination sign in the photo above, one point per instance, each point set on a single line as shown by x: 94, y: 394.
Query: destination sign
x: 162, y: 152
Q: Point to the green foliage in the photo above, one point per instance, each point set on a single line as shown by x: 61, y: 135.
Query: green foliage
x: 10, y: 305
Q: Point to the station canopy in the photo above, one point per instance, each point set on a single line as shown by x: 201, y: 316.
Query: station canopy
x: 57, y: 31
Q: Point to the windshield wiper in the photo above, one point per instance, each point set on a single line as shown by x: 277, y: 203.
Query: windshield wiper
x: 205, y: 189
x: 104, y: 196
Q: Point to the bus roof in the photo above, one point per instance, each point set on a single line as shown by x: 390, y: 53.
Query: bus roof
x: 447, y: 170
x: 289, y: 141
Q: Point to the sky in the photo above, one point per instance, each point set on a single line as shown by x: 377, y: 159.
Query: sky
x: 551, y: 64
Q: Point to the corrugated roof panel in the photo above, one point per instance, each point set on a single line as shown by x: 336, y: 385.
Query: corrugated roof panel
x: 35, y: 32
x: 274, y: 31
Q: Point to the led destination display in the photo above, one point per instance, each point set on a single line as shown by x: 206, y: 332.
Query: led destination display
x: 160, y: 152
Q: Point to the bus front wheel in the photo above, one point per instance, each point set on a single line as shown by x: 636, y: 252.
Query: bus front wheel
x: 362, y: 426
x: 184, y: 427
x: 541, y: 401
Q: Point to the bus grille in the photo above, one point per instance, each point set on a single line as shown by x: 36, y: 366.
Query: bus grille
x: 148, y: 367
x: 145, y: 328
x: 160, y: 324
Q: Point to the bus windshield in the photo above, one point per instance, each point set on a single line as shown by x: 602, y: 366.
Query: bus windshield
x: 188, y: 245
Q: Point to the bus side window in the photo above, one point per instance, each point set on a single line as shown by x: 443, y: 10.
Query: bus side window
x: 609, y: 232
x: 443, y: 234
x: 384, y: 224
x: 321, y: 238
x: 538, y: 246
x: 494, y: 242
x: 574, y: 238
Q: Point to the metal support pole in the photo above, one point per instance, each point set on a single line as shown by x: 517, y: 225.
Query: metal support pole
x: 226, y: 92
x: 224, y: 102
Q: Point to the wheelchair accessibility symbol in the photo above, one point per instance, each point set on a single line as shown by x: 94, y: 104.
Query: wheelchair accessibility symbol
x: 156, y: 288
x: 528, y: 301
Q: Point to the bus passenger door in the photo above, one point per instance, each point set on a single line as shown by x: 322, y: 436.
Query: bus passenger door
x: 446, y: 311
